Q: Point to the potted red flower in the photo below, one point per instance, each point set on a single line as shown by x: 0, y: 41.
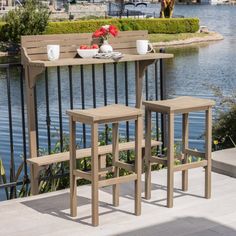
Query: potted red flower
x: 103, y: 33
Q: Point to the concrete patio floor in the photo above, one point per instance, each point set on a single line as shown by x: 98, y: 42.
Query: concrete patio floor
x: 48, y: 214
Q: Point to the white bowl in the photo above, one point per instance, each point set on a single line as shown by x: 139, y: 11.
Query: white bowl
x: 87, y: 53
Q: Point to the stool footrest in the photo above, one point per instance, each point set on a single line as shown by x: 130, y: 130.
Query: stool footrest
x: 159, y: 160
x: 117, y: 180
x: 87, y: 174
x: 126, y: 166
x: 194, y: 153
x: 83, y: 174
x: 190, y: 165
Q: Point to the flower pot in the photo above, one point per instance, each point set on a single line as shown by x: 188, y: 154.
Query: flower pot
x: 106, y: 47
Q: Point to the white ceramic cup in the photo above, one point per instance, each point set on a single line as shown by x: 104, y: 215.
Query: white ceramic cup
x: 53, y: 52
x: 142, y: 47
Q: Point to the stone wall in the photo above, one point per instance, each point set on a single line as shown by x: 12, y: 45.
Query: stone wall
x: 88, y: 9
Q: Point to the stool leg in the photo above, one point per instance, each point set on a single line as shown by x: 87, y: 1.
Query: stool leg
x: 185, y: 132
x: 148, y: 125
x: 208, y: 153
x: 115, y: 156
x: 170, y: 161
x: 73, y: 182
x: 94, y: 167
x: 138, y: 164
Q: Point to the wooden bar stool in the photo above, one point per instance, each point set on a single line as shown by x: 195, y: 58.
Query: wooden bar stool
x: 170, y: 107
x: 103, y: 115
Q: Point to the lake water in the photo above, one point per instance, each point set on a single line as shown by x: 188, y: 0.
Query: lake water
x: 193, y: 71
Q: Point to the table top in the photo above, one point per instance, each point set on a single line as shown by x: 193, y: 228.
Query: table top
x: 89, y: 61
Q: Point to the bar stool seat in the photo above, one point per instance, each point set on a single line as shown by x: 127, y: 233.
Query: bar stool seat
x: 108, y: 114
x: 103, y: 115
x: 170, y: 107
x: 182, y: 104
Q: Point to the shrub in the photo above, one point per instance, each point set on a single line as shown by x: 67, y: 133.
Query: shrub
x: 17, y: 26
x: 30, y: 19
x: 81, y: 26
x: 167, y: 26
x: 224, y: 128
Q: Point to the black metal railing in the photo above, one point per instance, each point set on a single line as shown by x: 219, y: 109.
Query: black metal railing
x: 68, y: 88
x: 9, y: 145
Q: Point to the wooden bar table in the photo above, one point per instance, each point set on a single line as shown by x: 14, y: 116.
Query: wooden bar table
x: 33, y: 68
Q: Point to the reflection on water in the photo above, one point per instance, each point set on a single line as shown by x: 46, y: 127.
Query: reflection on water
x: 193, y: 71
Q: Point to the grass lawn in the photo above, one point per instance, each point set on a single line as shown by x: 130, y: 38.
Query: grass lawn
x: 172, y: 37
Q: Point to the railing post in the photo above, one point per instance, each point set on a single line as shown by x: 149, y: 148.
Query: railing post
x: 12, y: 160
x: 163, y: 97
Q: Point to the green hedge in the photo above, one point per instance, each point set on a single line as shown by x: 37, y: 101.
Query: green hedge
x: 164, y: 26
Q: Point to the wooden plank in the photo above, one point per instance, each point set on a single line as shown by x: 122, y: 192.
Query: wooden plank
x: 118, y: 180
x: 123, y: 165
x: 190, y: 165
x: 106, y: 114
x: 158, y: 160
x: 43, y: 44
x: 86, y: 152
x: 94, y: 171
x: 36, y: 47
x: 183, y: 104
x: 105, y: 170
x: 73, y: 182
x: 34, y: 38
x: 115, y: 159
x: 208, y: 140
x: 148, y: 125
x: 170, y: 161
x: 138, y: 164
x: 44, y: 56
x: 185, y: 133
x: 194, y: 153
x: 122, y: 34
x: 83, y: 174
x: 89, y: 61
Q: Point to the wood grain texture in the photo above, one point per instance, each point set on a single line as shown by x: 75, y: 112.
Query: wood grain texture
x: 183, y: 104
x: 185, y: 134
x: 85, y: 152
x: 108, y: 114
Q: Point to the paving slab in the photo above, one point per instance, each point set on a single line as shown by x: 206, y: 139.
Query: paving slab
x: 192, y: 214
x: 224, y: 162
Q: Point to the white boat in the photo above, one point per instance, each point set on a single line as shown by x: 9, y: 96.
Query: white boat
x: 218, y: 2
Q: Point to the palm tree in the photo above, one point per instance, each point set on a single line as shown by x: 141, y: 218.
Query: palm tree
x: 167, y: 8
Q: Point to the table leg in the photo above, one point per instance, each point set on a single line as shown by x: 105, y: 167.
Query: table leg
x: 185, y: 131
x: 31, y: 129
x: 140, y: 68
x: 94, y: 167
x: 73, y: 182
x: 148, y: 124
x: 170, y: 161
x: 115, y: 158
x: 138, y: 164
x: 208, y: 141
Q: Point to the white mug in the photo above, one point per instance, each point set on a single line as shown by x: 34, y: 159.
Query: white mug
x: 53, y: 52
x: 142, y: 47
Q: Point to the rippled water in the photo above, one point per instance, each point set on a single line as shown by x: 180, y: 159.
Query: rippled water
x: 193, y: 71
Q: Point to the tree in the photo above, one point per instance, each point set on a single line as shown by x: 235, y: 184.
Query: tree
x: 167, y: 8
x: 29, y: 19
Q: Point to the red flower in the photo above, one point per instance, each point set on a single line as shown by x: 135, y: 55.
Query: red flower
x: 113, y: 30
x: 98, y: 33
x: 104, y: 32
